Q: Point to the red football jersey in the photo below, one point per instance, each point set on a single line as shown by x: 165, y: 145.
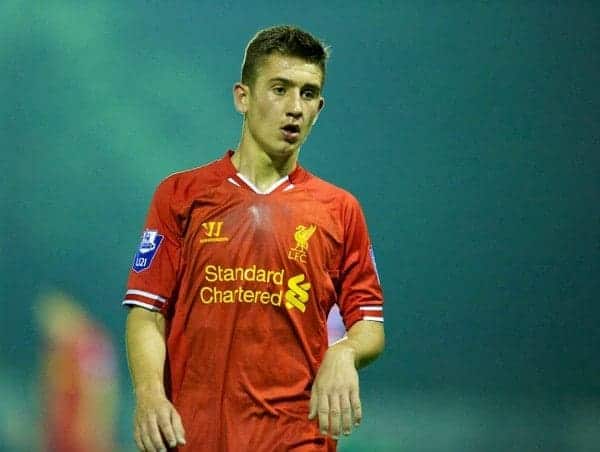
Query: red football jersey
x: 246, y: 280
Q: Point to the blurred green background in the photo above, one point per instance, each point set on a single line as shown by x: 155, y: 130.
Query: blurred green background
x: 468, y: 130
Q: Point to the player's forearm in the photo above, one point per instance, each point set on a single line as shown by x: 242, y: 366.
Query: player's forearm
x: 364, y: 342
x: 146, y: 350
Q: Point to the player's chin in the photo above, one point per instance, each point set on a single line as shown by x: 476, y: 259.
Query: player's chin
x: 286, y: 148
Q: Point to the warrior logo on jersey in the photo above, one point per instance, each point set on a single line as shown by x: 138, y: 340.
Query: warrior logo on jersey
x: 212, y: 232
x: 302, y: 235
x: 151, y: 240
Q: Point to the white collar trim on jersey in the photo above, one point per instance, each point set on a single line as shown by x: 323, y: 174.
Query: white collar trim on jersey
x: 271, y: 189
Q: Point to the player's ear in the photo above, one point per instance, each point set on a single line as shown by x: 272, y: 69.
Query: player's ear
x: 321, y: 105
x: 240, y: 97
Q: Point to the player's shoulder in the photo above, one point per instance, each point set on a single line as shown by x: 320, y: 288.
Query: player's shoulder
x: 190, y: 181
x: 321, y: 188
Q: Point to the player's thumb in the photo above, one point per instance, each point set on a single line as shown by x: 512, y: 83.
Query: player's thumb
x: 312, y: 412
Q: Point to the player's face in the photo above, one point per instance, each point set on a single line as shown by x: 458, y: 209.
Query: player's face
x: 282, y: 104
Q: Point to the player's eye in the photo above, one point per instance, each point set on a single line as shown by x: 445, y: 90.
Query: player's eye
x: 309, y: 94
x: 279, y: 90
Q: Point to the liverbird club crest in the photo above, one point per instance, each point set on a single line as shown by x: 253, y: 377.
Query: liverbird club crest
x: 302, y: 235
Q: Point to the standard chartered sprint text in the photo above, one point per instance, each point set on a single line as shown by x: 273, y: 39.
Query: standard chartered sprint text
x: 294, y: 293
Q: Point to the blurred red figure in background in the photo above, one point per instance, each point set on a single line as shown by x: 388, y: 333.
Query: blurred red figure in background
x: 78, y: 380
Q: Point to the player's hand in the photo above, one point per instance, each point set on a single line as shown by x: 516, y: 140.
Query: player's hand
x: 335, y: 398
x: 157, y: 424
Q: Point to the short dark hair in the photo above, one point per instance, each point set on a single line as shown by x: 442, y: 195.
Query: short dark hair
x: 286, y: 40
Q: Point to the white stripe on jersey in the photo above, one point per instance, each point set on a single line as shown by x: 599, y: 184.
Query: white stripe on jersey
x: 146, y: 294
x: 254, y: 188
x: 377, y: 319
x: 233, y: 181
x: 371, y: 308
x: 139, y: 303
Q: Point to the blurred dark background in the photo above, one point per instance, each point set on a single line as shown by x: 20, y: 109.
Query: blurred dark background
x: 468, y: 130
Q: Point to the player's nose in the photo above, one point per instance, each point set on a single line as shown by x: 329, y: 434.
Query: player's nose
x: 294, y: 106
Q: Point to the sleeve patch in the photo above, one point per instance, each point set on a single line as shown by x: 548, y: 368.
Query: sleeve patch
x: 149, y: 245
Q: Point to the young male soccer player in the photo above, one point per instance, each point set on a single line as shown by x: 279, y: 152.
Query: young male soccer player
x: 239, y: 264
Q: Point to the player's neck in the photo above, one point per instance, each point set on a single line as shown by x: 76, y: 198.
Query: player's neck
x: 261, y: 168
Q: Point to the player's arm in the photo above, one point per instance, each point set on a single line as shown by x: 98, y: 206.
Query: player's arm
x: 156, y: 420
x: 335, y: 396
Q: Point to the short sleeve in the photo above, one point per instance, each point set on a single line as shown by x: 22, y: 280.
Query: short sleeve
x: 153, y: 274
x: 360, y: 296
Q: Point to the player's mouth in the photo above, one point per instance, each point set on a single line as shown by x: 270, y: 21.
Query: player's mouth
x: 290, y: 132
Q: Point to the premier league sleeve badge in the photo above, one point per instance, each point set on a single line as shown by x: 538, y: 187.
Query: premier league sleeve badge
x: 151, y: 240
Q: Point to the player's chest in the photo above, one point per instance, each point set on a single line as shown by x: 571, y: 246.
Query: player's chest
x: 285, y: 228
